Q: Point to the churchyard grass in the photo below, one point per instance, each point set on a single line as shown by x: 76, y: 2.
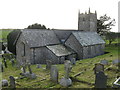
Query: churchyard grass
x: 85, y: 80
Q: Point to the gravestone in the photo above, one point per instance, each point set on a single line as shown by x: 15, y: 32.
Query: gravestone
x: 1, y: 67
x: 48, y: 64
x: 38, y: 66
x: 12, y: 82
x: 116, y: 61
x: 4, y: 82
x: 29, y: 68
x: 13, y: 62
x: 73, y: 61
x: 54, y: 73
x: 100, y: 80
x: 5, y: 63
x: 104, y: 62
x: 66, y: 81
x: 98, y: 67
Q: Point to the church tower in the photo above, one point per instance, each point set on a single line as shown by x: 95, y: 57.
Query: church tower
x: 87, y: 21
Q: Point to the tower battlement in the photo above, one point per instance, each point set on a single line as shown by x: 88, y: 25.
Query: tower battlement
x: 87, y: 21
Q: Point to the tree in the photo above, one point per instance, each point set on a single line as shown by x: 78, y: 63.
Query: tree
x: 104, y: 24
x: 36, y: 26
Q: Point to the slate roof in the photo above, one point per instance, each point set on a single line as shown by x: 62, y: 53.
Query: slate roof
x: 88, y: 38
x: 60, y: 50
x: 38, y: 38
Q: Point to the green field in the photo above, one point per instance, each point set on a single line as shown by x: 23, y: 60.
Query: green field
x: 4, y: 33
x: 85, y: 80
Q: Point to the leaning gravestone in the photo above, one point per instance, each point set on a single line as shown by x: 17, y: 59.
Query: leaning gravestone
x: 4, y: 82
x: 48, y: 64
x: 104, y: 62
x: 12, y: 82
x: 100, y: 80
x: 54, y: 73
x: 66, y: 81
x: 98, y: 67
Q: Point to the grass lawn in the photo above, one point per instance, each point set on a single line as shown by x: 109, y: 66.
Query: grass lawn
x: 3, y: 34
x: 85, y: 80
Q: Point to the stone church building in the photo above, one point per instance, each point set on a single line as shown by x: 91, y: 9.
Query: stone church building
x: 37, y: 46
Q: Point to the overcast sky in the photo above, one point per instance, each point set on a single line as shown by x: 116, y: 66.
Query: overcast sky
x: 58, y: 14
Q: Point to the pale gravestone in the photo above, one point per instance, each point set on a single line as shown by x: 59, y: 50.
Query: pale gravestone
x: 73, y: 61
x: 116, y: 62
x: 48, y: 64
x: 38, y: 66
x: 104, y: 62
x: 100, y: 80
x: 54, y: 73
x: 12, y: 82
x: 4, y: 82
x: 98, y: 67
x: 66, y: 81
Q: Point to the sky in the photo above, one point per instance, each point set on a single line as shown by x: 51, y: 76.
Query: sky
x: 57, y: 14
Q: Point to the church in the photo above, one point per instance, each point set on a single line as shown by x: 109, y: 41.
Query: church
x: 36, y: 46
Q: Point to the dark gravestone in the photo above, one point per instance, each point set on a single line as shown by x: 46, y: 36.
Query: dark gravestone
x: 13, y: 62
x: 5, y: 63
x: 24, y: 69
x: 98, y: 67
x: 54, y: 73
x: 48, y: 64
x: 29, y: 68
x: 12, y: 82
x: 100, y: 80
x: 1, y: 67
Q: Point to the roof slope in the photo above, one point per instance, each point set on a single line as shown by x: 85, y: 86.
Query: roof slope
x: 60, y: 50
x: 88, y: 38
x: 37, y: 38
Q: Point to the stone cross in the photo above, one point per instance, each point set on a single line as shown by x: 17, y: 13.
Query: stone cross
x: 48, y: 64
x: 68, y: 68
x: 98, y: 67
x: 100, y: 80
x: 29, y: 68
x: 54, y: 73
x: 12, y: 82
x: 5, y: 63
